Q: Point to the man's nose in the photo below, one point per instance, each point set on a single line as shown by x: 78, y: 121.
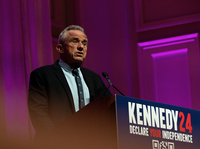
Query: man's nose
x: 80, y: 46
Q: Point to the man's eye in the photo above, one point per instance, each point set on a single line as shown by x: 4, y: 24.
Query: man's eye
x: 75, y: 41
x: 84, y: 43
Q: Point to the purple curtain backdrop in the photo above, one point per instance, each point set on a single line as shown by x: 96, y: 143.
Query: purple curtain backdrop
x: 25, y: 44
x: 112, y: 42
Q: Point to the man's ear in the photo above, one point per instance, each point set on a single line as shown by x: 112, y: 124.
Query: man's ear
x: 59, y: 48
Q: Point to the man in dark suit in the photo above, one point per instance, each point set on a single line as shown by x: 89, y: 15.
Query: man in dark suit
x: 53, y: 92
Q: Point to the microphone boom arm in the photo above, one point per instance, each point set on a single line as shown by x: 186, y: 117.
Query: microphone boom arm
x: 118, y: 90
x: 105, y: 75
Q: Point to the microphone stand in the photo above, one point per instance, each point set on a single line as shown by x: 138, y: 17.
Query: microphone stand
x: 118, y: 90
x: 105, y: 75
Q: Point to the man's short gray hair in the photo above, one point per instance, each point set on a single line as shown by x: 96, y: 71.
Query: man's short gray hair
x: 63, y: 35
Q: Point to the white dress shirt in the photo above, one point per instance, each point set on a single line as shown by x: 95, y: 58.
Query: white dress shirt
x: 73, y: 86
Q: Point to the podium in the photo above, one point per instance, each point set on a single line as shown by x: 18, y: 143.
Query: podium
x: 119, y: 122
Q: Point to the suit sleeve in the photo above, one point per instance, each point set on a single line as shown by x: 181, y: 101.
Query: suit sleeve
x: 38, y: 103
x: 102, y: 90
x: 95, y: 84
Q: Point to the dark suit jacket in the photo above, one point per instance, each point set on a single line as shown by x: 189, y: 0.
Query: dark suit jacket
x: 50, y: 99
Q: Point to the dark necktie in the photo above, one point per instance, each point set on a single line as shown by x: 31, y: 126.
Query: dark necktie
x: 80, y: 88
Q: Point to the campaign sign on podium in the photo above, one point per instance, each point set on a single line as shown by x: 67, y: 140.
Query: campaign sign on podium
x: 151, y: 125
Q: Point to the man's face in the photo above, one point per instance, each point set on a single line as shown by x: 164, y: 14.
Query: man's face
x: 75, y: 48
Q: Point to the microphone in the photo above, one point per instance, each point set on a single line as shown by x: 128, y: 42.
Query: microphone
x: 105, y: 75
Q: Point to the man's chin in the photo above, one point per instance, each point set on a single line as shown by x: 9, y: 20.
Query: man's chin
x: 79, y: 60
x: 77, y: 63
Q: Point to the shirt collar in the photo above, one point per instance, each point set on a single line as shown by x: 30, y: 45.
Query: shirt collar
x: 66, y: 67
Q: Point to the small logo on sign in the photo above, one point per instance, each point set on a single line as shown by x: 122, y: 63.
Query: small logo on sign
x: 162, y: 145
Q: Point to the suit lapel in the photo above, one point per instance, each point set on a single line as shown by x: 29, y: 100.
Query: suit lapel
x: 61, y: 77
